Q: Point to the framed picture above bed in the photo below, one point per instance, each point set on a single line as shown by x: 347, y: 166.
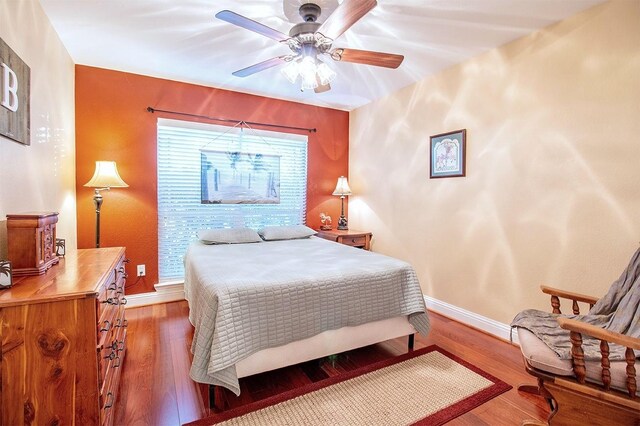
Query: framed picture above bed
x: 239, y: 178
x: 448, y: 151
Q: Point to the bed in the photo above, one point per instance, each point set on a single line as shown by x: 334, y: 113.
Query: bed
x: 260, y: 306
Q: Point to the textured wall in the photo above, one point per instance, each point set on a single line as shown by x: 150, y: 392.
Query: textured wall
x: 112, y: 124
x: 552, y: 193
x: 40, y: 177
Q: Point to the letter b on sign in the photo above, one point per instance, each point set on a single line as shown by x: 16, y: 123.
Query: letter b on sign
x: 9, y: 88
x: 15, y: 88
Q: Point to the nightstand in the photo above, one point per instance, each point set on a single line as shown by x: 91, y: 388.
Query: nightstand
x: 349, y: 237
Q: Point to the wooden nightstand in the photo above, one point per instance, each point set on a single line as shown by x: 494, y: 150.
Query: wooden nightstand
x: 351, y: 238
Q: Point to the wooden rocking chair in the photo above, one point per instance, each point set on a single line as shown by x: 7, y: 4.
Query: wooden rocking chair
x: 583, y: 392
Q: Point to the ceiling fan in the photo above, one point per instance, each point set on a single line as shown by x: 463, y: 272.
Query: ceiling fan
x: 310, y: 39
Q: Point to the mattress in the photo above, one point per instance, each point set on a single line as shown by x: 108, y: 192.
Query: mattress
x: 244, y: 298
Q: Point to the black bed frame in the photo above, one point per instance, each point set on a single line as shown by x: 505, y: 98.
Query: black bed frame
x: 212, y: 388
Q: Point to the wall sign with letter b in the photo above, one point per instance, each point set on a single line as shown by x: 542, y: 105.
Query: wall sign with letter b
x: 15, y: 86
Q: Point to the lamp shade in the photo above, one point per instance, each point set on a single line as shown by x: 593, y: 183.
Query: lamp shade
x: 106, y: 176
x: 342, y: 187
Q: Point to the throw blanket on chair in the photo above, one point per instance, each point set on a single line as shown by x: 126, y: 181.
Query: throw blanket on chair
x: 618, y: 311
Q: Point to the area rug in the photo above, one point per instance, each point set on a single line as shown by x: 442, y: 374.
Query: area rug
x: 428, y: 386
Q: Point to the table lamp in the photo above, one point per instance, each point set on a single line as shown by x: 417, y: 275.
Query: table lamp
x: 342, y: 189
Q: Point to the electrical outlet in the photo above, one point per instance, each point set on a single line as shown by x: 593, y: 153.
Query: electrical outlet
x: 141, y: 271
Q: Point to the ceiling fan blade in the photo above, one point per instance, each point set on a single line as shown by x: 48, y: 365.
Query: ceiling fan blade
x: 379, y: 59
x: 260, y: 66
x: 345, y: 15
x: 251, y: 25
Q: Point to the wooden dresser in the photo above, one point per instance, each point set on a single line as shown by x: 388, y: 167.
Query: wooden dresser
x: 63, y: 341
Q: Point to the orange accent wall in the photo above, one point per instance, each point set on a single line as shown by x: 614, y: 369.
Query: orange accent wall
x: 112, y: 123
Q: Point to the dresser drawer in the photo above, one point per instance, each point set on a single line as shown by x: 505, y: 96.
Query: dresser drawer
x: 112, y: 372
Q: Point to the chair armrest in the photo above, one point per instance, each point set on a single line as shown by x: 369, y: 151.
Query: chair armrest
x: 568, y: 295
x: 599, y: 333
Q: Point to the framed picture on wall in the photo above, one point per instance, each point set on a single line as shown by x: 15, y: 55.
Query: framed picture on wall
x: 448, y: 152
x: 239, y: 178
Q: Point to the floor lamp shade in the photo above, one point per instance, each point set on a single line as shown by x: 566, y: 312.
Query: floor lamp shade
x: 342, y: 190
x: 106, y: 176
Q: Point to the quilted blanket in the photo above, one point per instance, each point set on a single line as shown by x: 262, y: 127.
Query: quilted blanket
x: 247, y: 297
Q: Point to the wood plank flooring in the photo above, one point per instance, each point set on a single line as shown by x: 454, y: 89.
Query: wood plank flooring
x: 156, y: 388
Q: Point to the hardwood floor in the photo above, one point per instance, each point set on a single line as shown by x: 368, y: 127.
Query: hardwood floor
x: 156, y: 388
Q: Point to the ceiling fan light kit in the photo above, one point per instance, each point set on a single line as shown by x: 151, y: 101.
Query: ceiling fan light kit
x: 310, y: 39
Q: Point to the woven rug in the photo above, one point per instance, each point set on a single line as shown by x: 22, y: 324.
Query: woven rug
x: 428, y: 386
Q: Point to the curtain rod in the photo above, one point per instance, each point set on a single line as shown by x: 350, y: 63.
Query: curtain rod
x: 152, y: 110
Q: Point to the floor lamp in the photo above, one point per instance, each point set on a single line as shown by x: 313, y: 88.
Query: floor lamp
x: 342, y: 189
x: 105, y: 177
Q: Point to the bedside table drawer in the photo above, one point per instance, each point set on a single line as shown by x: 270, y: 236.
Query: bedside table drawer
x: 359, y: 241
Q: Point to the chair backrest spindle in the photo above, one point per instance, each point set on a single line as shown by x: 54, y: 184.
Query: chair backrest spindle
x: 555, y: 304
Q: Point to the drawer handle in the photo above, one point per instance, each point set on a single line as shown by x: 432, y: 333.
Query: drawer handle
x: 110, y: 301
x: 107, y: 326
x: 121, y: 346
x: 121, y: 269
x: 127, y: 260
x: 116, y: 363
x: 123, y: 301
x: 109, y: 402
x: 125, y: 323
x: 112, y: 286
x: 113, y: 345
x: 111, y: 356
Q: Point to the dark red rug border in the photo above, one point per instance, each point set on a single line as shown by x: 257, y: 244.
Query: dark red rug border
x: 437, y: 418
x: 469, y: 403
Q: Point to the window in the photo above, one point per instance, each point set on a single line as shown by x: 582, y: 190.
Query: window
x: 181, y: 212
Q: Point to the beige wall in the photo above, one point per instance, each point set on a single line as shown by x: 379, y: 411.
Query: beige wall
x: 40, y: 177
x: 552, y: 193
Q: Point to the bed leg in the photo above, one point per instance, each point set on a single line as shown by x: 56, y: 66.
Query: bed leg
x: 212, y: 397
x: 411, y: 341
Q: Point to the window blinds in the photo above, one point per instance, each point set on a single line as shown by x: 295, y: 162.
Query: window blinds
x: 180, y: 212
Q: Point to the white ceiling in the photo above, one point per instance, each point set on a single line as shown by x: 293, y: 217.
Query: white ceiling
x: 182, y: 40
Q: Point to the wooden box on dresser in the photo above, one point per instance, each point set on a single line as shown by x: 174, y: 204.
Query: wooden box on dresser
x: 63, y: 341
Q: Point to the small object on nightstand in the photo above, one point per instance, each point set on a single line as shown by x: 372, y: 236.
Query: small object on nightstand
x: 31, y: 238
x: 61, y: 248
x: 326, y: 222
x: 6, y: 277
x: 351, y: 238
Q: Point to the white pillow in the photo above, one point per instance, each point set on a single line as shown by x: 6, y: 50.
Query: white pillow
x: 291, y: 232
x: 228, y: 236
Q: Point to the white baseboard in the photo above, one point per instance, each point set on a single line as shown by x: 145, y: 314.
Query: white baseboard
x: 495, y: 328
x: 165, y: 293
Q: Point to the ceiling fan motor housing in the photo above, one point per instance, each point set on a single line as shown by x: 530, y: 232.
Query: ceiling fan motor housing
x: 303, y: 28
x: 310, y: 12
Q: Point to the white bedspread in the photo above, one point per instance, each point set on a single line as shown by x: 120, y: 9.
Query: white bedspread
x: 247, y: 297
